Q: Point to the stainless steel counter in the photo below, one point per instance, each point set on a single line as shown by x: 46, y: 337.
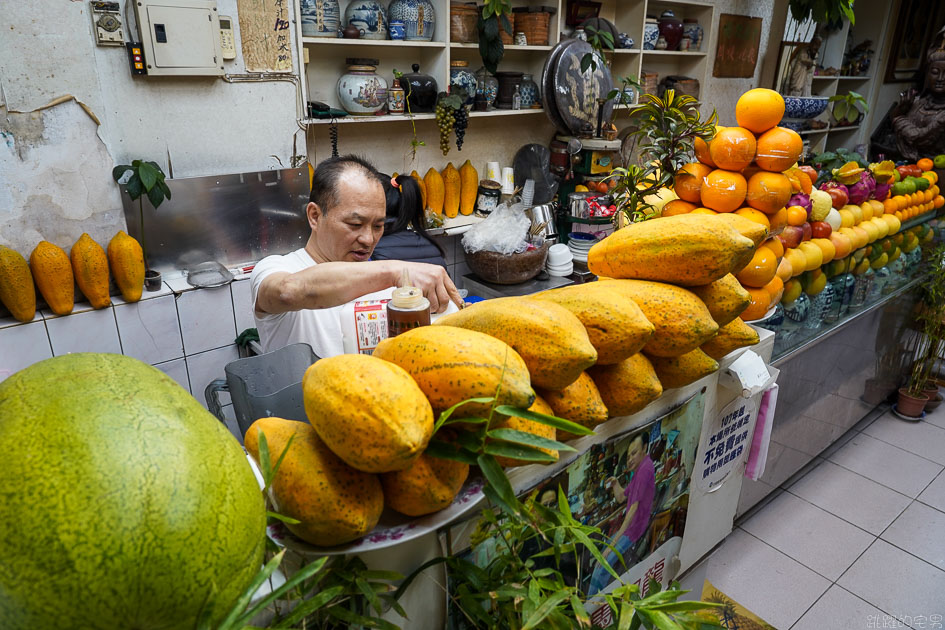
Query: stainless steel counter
x: 477, y: 286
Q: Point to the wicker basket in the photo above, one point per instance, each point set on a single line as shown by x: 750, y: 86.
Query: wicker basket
x: 680, y: 85
x: 534, y: 25
x: 650, y: 83
x: 463, y: 19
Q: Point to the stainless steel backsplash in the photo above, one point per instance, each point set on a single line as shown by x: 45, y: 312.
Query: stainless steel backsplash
x: 232, y: 219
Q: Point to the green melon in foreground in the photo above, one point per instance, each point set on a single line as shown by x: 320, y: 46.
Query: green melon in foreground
x: 123, y: 502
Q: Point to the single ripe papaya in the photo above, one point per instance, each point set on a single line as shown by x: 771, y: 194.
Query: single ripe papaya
x: 451, y: 190
x: 435, y: 190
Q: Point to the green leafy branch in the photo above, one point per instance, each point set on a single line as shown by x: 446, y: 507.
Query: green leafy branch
x: 667, y: 129
x: 495, y: 14
x: 415, y: 142
x: 829, y: 12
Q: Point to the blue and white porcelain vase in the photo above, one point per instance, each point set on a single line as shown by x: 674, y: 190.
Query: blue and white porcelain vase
x: 651, y: 33
x: 488, y: 86
x: 693, y: 30
x: 369, y: 17
x: 361, y: 91
x: 418, y: 16
x: 529, y: 92
x: 320, y: 18
x: 461, y: 77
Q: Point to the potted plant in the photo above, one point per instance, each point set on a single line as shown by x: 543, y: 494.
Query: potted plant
x: 847, y: 107
x: 146, y: 178
x: 930, y: 317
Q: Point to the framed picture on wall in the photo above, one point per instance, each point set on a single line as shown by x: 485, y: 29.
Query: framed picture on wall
x: 739, y: 42
x: 916, y: 25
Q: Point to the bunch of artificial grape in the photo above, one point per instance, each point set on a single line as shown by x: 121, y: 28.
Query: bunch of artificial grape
x: 444, y: 121
x: 460, y: 122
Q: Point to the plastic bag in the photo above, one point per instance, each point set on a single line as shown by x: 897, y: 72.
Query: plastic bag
x: 504, y: 231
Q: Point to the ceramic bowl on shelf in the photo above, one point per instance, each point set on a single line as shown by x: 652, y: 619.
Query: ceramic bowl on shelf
x: 795, y: 124
x: 804, y: 107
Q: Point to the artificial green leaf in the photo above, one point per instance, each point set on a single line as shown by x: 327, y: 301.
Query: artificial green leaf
x: 309, y: 606
x: 449, y: 450
x: 244, y: 599
x: 148, y: 175
x: 552, y: 421
x: 490, y: 27
x: 156, y: 196
x: 530, y: 439
x: 164, y: 188
x: 506, y: 25
x: 134, y: 187
x: 586, y: 62
x: 282, y: 517
x: 515, y: 451
x: 265, y: 464
x: 119, y: 171
x: 506, y: 506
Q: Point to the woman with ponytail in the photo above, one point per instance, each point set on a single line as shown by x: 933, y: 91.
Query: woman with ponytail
x: 405, y: 209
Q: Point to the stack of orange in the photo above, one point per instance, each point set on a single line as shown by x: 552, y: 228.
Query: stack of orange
x: 905, y: 207
x: 741, y: 170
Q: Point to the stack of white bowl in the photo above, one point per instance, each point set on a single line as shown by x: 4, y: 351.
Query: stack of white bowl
x: 580, y: 243
x: 559, y: 261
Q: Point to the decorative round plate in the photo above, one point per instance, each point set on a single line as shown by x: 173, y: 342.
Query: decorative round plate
x: 576, y: 92
x: 548, y: 72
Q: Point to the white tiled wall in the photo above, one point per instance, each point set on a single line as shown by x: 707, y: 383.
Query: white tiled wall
x: 186, y: 333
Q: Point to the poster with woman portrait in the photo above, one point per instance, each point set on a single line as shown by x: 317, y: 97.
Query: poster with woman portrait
x: 633, y: 486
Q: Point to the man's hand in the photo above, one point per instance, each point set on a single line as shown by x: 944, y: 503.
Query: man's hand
x: 433, y: 281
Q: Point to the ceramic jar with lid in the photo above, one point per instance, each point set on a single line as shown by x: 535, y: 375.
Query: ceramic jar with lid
x: 508, y: 81
x: 651, y: 32
x: 320, y: 18
x: 531, y: 98
x: 370, y: 18
x: 421, y: 90
x: 361, y: 91
x: 671, y: 27
x: 461, y: 77
x: 693, y: 29
x: 418, y: 16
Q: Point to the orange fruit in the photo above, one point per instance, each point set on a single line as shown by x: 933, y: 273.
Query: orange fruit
x: 702, y: 151
x: 689, y: 181
x: 759, y: 110
x: 796, y: 215
x: 827, y: 249
x: 776, y: 246
x: 938, y: 201
x: 753, y: 215
x: 703, y: 211
x: 927, y: 195
x: 925, y: 163
x: 890, y: 206
x: 732, y: 148
x: 778, y: 220
x: 723, y: 190
x: 768, y: 192
x: 758, y: 272
x: 677, y: 206
x: 760, y: 302
x: 878, y: 208
x: 806, y: 184
x: 797, y: 259
x: 775, y: 289
x: 778, y: 149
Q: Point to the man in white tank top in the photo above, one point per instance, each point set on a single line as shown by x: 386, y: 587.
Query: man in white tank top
x: 298, y: 297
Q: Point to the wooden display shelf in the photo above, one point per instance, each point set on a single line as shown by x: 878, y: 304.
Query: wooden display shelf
x: 627, y: 51
x: 675, y: 53
x: 812, y: 132
x: 510, y: 47
x: 395, y: 118
x: 844, y: 128
x: 341, y: 41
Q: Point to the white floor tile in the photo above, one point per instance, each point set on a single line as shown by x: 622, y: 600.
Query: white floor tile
x: 920, y: 530
x: 206, y: 319
x: 839, y: 609
x: 850, y: 496
x: 815, y: 538
x: 921, y: 438
x: 886, y: 464
x: 896, y: 582
x: 936, y: 417
x: 934, y: 495
x: 764, y: 580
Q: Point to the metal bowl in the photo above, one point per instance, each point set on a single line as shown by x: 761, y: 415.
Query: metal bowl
x: 804, y: 106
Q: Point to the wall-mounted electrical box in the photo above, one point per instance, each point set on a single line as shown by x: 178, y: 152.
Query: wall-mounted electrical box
x: 180, y: 37
x: 106, y: 22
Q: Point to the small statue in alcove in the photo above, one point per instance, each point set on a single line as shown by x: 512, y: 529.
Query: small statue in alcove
x: 801, y: 69
x: 919, y: 118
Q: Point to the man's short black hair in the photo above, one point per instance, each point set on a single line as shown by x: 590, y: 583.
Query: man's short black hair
x: 328, y: 176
